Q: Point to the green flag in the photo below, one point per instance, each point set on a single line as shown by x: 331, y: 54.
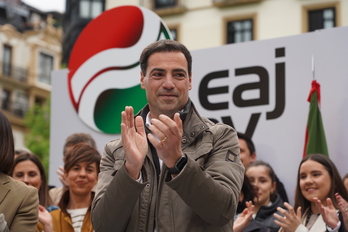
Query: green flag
x: 315, y: 141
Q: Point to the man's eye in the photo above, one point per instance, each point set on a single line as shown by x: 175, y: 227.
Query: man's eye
x: 180, y: 75
x: 157, y: 74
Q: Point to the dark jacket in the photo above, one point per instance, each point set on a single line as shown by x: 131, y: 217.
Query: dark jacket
x: 265, y: 218
x: 256, y: 226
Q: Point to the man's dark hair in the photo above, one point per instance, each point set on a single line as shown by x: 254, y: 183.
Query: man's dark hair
x: 248, y: 141
x: 164, y: 46
x: 78, y: 138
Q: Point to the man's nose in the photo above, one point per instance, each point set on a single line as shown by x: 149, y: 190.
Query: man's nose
x: 168, y: 82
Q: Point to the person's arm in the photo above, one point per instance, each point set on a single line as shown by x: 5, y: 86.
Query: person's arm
x: 118, y: 189
x: 213, y: 193
x: 113, y: 203
x: 27, y: 215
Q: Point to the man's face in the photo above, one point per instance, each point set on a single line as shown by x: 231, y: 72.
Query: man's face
x: 245, y: 155
x: 167, y: 83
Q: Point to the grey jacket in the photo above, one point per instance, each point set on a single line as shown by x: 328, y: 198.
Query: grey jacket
x: 203, y: 197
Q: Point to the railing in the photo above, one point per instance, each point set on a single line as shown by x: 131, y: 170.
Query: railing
x: 16, y: 108
x: 11, y: 71
x: 222, y: 3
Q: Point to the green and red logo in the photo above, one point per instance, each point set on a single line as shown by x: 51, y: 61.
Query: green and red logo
x: 104, y: 72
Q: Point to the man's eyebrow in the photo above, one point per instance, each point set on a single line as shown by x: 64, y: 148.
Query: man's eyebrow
x: 157, y: 69
x: 179, y: 70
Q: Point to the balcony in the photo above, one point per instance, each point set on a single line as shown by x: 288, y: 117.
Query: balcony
x: 169, y: 7
x: 15, y: 108
x: 13, y: 72
x: 223, y: 3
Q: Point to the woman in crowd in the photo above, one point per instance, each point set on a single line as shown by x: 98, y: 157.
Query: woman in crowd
x: 345, y: 181
x: 19, y: 202
x: 29, y: 169
x: 81, y: 170
x: 266, y: 200
x: 245, y: 210
x: 317, y: 180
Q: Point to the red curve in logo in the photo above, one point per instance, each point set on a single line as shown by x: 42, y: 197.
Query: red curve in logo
x: 103, y: 33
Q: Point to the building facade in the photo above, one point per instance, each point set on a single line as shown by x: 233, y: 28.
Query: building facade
x: 30, y: 48
x: 209, y: 23
x: 78, y: 13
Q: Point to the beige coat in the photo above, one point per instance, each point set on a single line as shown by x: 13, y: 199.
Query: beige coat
x: 19, y: 204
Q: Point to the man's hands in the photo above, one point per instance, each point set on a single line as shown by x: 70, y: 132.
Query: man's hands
x: 168, y: 145
x: 134, y: 142
x: 169, y: 133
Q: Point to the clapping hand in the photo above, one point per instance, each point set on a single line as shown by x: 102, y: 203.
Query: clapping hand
x: 291, y: 220
x: 243, y: 220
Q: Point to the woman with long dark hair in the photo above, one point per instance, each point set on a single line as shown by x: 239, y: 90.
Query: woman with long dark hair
x: 19, y: 202
x: 29, y: 169
x: 317, y: 179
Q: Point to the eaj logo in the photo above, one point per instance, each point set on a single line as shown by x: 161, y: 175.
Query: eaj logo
x: 104, y: 70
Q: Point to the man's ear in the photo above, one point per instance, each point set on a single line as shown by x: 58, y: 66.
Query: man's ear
x: 190, y: 81
x: 253, y: 157
x: 142, y: 80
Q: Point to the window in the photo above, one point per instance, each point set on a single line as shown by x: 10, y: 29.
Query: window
x: 174, y: 33
x: 240, y: 31
x: 321, y: 19
x: 6, y: 60
x: 5, y: 99
x: 45, y: 68
x: 21, y: 103
x: 164, y: 3
x: 90, y: 8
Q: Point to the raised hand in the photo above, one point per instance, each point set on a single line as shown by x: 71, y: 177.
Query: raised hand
x: 343, y: 207
x: 134, y: 141
x: 169, y: 134
x: 46, y: 219
x: 243, y: 220
x: 60, y: 172
x: 328, y: 213
x: 291, y: 220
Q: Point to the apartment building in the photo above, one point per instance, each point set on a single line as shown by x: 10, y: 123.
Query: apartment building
x: 30, y: 48
x: 208, y: 23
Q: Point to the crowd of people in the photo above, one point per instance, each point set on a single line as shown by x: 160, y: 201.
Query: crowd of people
x: 171, y: 170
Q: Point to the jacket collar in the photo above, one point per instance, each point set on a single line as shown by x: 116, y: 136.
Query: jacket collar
x: 143, y: 112
x: 193, y: 126
x: 4, y: 179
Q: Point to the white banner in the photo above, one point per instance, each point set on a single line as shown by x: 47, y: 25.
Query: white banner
x: 261, y: 87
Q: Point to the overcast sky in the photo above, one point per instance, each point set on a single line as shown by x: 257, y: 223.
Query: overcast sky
x: 47, y: 5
